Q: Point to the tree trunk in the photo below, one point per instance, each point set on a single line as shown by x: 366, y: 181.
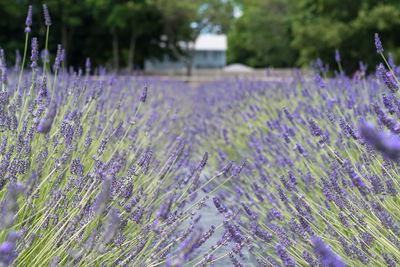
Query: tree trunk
x: 188, y: 68
x: 131, y: 55
x: 115, y: 52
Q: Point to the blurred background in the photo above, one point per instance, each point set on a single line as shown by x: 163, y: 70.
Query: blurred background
x: 185, y: 36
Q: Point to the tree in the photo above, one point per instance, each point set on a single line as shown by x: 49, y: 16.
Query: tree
x: 261, y: 36
x: 321, y: 26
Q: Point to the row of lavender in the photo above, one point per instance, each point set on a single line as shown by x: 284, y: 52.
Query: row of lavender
x: 321, y: 181
x: 92, y: 170
x: 95, y: 172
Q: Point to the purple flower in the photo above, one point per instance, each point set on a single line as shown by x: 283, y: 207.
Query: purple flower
x: 143, y: 96
x: 8, y: 251
x: 319, y: 81
x: 28, y: 21
x: 47, y: 19
x: 325, y: 254
x: 220, y: 207
x: 386, y: 144
x: 363, y: 68
x: 47, y: 121
x: 43, y: 89
x: 337, y: 55
x: 387, y: 78
x: 57, y: 60
x: 87, y: 65
x: 285, y: 257
x: 378, y: 44
x: 34, y: 53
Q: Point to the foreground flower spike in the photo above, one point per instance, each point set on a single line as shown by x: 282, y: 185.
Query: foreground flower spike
x: 325, y: 254
x: 47, y: 19
x: 8, y: 252
x: 386, y: 144
x: 28, y: 22
x: 378, y: 44
x: 47, y: 121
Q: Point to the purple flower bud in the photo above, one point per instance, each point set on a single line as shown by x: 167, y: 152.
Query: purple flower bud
x: 46, y: 122
x: 62, y: 55
x: 387, y: 78
x: 45, y: 55
x: 57, y: 60
x: 319, y: 81
x: 386, y: 144
x: 337, y: 55
x: 34, y: 53
x: 143, y: 97
x: 314, y: 128
x: 43, y: 88
x: 391, y: 188
x: 47, y: 19
x: 220, y: 207
x: 325, y: 254
x: 378, y: 44
x: 28, y: 21
x: 87, y: 65
x: 391, y: 61
x: 284, y: 255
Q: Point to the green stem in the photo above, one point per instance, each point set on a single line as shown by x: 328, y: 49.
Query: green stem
x: 54, y: 86
x: 23, y: 61
x: 45, y: 50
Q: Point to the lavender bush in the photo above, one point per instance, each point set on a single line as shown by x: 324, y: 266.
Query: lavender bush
x: 94, y: 170
x: 109, y: 170
x: 320, y: 185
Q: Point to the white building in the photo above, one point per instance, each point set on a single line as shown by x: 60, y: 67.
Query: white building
x: 210, y: 53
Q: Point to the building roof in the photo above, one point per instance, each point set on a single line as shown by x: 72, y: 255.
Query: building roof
x: 211, y: 42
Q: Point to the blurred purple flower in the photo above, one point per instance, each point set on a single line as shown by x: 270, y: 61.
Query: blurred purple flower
x: 34, y: 53
x: 47, y: 121
x: 386, y: 144
x: 325, y: 254
x: 378, y: 44
x: 337, y: 55
x: 28, y: 21
x: 47, y: 19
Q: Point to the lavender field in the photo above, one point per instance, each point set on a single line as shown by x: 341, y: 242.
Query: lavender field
x: 101, y: 169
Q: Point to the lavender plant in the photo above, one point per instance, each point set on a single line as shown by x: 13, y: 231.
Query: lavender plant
x: 320, y: 186
x: 94, y: 171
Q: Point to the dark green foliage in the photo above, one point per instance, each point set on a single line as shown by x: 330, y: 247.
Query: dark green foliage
x: 321, y: 26
x: 284, y: 33
x: 261, y: 37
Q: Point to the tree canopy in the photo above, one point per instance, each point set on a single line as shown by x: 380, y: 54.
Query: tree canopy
x: 284, y: 33
x: 269, y: 33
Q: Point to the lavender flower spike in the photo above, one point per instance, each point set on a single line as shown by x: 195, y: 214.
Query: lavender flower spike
x: 46, y: 122
x: 337, y: 55
x: 143, y: 96
x: 87, y: 65
x: 34, y: 53
x: 58, y: 59
x: 47, y: 19
x: 325, y: 254
x: 386, y: 144
x: 378, y: 44
x: 28, y: 21
x: 387, y: 79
